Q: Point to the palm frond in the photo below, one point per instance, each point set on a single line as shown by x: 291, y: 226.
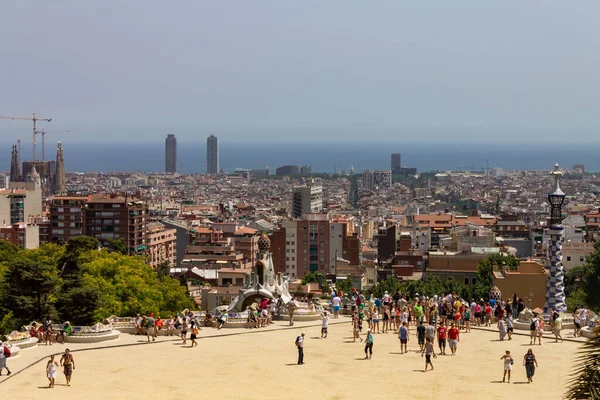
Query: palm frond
x: 585, y: 379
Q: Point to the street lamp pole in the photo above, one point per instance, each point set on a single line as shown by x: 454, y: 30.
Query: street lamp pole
x: 555, y: 288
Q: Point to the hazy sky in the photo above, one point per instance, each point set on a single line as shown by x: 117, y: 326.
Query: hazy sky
x: 289, y: 70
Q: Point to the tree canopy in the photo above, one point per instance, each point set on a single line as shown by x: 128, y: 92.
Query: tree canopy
x: 79, y: 283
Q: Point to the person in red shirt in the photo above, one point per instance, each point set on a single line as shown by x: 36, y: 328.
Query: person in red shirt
x: 441, y: 334
x: 488, y: 314
x: 453, y: 338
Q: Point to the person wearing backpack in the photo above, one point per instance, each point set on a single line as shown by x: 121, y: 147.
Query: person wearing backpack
x: 300, y: 345
x: 533, y: 329
x: 4, y: 354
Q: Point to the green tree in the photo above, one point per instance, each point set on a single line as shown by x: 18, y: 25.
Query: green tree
x: 8, y: 251
x: 77, y: 303
x: 117, y: 246
x: 345, y: 286
x: 29, y: 289
x: 433, y: 286
x: 485, y: 273
x: 128, y: 286
x: 591, y: 278
x: 163, y: 269
x: 311, y: 277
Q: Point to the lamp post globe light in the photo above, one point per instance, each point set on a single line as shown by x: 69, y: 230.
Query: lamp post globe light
x: 555, y: 288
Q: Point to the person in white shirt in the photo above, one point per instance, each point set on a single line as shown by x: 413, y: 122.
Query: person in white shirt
x: 335, y: 302
x: 325, y: 324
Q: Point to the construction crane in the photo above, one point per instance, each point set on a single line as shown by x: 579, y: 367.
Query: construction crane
x: 43, y: 132
x: 35, y: 120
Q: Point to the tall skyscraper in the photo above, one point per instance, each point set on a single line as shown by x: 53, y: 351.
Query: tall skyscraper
x: 60, y: 178
x: 396, y: 163
x: 212, y: 155
x: 171, y: 154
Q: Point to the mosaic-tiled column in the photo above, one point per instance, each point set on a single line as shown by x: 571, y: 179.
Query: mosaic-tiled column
x: 555, y: 287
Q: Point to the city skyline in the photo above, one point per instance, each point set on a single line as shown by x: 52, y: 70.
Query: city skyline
x: 428, y: 72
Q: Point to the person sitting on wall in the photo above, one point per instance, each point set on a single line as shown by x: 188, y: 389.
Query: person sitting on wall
x: 66, y: 330
x: 34, y: 332
x: 208, y: 319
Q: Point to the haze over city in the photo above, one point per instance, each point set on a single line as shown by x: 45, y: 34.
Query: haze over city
x: 293, y: 71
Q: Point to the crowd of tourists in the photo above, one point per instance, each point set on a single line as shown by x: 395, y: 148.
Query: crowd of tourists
x: 434, y: 319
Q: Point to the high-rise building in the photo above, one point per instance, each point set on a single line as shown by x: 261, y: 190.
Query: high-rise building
x: 288, y: 170
x: 377, y: 179
x: 396, y: 165
x: 308, y: 199
x: 212, y: 155
x: 171, y: 154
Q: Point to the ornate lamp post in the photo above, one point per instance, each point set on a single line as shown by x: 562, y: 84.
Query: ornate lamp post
x: 555, y: 288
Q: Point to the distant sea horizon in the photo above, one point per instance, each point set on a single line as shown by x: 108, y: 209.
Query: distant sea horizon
x: 322, y: 156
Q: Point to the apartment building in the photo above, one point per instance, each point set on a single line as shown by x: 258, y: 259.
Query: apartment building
x: 67, y: 218
x: 114, y: 217
x: 160, y: 244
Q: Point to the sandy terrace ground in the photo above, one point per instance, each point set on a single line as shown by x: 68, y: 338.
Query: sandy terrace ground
x: 253, y: 364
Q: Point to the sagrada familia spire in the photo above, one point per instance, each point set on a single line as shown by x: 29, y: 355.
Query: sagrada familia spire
x: 15, y: 169
x: 60, y: 179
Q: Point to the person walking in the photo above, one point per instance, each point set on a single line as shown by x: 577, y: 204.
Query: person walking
x: 508, y: 363
x: 441, y: 335
x: 335, y: 302
x: 453, y: 338
x: 509, y: 326
x: 68, y: 363
x: 541, y: 326
x: 291, y: 307
x: 369, y: 345
x: 533, y: 329
x: 194, y: 334
x: 530, y: 363
x: 428, y: 351
x: 278, y: 308
x: 421, y: 335
x: 576, y: 323
x: 403, y: 336
x: 300, y: 346
x: 4, y: 354
x: 51, y: 371
x: 556, y: 328
x: 324, y: 325
x: 184, y: 328
x: 150, y: 327
x: 501, y: 328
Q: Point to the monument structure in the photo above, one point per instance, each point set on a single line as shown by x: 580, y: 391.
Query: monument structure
x: 263, y: 282
x: 555, y: 287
